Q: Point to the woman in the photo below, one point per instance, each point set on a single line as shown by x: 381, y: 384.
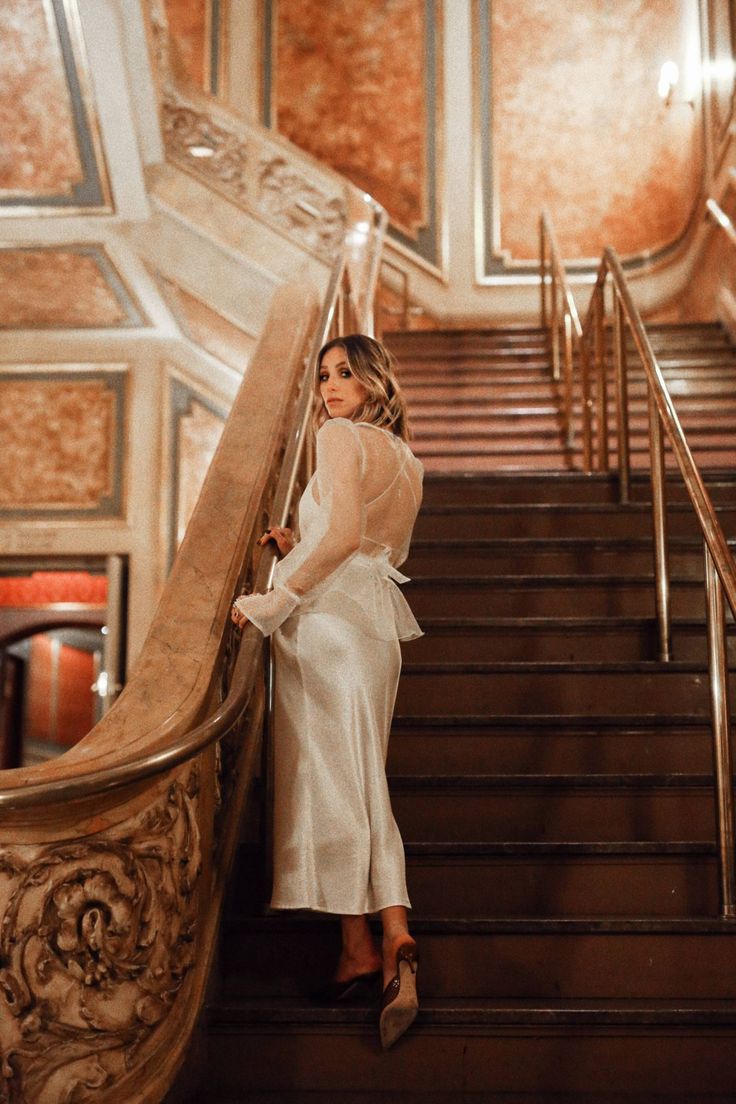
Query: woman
x: 337, y: 618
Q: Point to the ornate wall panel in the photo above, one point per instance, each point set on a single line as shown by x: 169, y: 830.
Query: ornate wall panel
x: 569, y: 116
x: 51, y: 158
x: 76, y: 287
x: 64, y: 430
x: 720, y: 83
x: 195, y: 429
x: 355, y: 83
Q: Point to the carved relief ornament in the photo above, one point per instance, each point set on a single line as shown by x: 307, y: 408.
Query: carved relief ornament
x: 96, y: 939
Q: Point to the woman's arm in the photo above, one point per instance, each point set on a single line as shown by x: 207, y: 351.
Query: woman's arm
x: 332, y: 542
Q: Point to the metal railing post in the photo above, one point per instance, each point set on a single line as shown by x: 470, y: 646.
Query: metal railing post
x: 601, y: 377
x: 659, y: 519
x: 622, y: 400
x: 567, y: 362
x: 587, y: 407
x: 722, y: 766
x: 555, y: 324
x: 542, y: 274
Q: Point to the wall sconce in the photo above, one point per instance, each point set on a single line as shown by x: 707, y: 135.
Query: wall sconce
x: 669, y: 78
x: 669, y: 82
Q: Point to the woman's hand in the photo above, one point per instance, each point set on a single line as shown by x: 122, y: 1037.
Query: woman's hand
x: 239, y: 618
x: 284, y: 538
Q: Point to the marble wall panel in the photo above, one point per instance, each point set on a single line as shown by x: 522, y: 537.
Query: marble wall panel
x: 50, y: 156
x: 65, y: 434
x: 188, y: 32
x: 351, y: 84
x: 76, y: 287
x: 572, y: 119
x: 196, y: 427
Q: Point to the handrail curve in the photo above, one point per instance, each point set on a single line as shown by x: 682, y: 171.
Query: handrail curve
x: 664, y: 425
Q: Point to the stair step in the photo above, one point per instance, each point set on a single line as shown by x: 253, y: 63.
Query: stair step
x: 558, y: 519
x: 572, y: 813
x: 510, y: 687
x: 443, y: 745
x: 476, y: 1050
x: 551, y: 556
x: 513, y: 880
x: 548, y: 596
x: 656, y: 958
x: 544, y: 639
x: 556, y: 488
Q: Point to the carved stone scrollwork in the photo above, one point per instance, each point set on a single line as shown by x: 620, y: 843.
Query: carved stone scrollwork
x: 96, y: 939
x: 225, y: 166
x: 290, y: 200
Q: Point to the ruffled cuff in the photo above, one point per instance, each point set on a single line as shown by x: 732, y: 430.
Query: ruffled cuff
x: 268, y: 611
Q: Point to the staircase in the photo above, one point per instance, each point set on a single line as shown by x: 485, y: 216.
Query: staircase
x: 551, y: 779
x: 484, y: 400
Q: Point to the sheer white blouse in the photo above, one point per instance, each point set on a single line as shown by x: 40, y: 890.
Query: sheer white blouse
x: 355, y: 519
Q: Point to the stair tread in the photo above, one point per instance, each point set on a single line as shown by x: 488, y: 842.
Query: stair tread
x: 472, y: 1010
x: 530, y: 848
x: 612, y: 780
x: 543, y: 925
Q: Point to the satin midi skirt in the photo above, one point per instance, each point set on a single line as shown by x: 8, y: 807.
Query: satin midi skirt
x: 337, y: 847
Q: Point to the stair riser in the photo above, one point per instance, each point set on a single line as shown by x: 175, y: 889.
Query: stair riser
x: 578, y: 692
x: 548, y: 645
x: 514, y: 965
x: 456, y: 490
x: 509, y: 1065
x: 509, y: 887
x: 571, y: 887
x: 521, y: 522
x: 459, y: 393
x: 518, y: 427
x: 437, y: 600
x: 511, y: 456
x: 457, y: 751
x: 554, y: 815
x: 578, y: 560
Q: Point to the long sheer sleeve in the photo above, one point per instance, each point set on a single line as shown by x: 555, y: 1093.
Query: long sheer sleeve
x: 332, y: 541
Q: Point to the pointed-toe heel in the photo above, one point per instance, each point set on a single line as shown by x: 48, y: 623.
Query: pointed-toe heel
x: 399, y: 1003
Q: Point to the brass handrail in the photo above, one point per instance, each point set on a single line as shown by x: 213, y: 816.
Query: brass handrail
x: 721, y: 219
x: 720, y: 569
x: 337, y: 304
x: 563, y: 320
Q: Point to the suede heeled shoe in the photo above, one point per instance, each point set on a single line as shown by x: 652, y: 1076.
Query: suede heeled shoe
x: 399, y: 1003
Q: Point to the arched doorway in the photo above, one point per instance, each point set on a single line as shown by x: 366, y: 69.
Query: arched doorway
x: 61, y: 654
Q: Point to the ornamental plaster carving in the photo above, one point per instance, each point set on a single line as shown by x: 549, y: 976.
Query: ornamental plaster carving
x: 285, y: 196
x: 96, y: 939
x: 226, y: 168
x: 244, y: 164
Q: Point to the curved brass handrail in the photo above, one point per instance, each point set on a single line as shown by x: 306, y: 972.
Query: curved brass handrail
x: 720, y: 569
x: 721, y: 219
x: 562, y: 319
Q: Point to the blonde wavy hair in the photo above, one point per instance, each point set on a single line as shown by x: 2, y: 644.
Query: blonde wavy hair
x: 372, y: 365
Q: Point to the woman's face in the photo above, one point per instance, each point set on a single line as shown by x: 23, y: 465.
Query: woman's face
x: 341, y: 392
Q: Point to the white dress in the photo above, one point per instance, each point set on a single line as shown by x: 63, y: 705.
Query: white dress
x: 336, y: 630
